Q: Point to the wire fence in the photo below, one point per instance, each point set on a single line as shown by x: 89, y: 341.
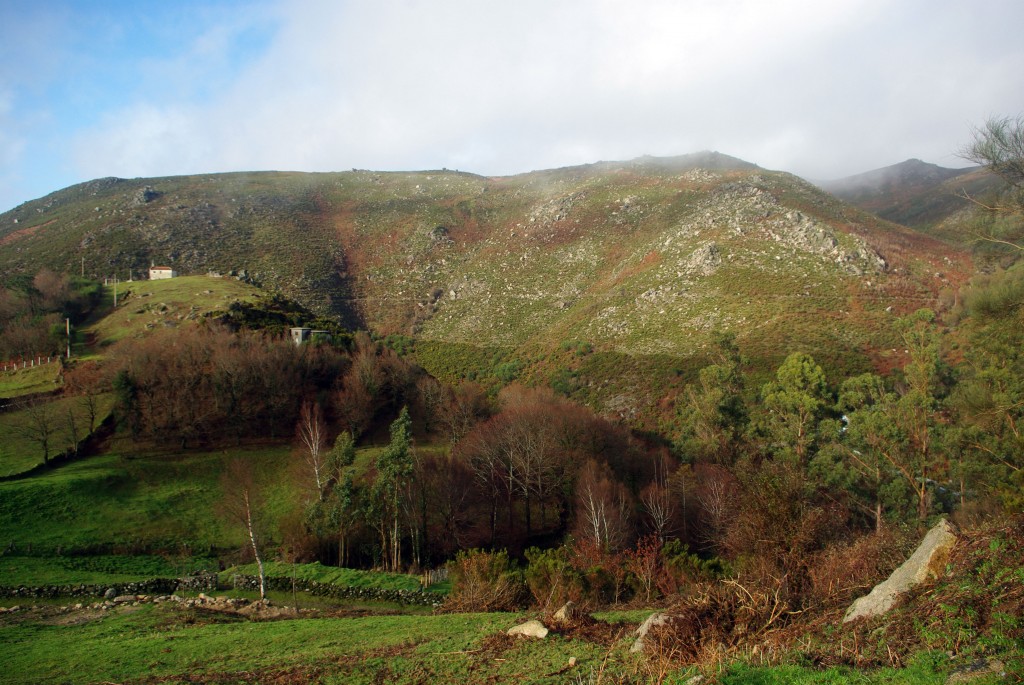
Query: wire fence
x: 29, y: 363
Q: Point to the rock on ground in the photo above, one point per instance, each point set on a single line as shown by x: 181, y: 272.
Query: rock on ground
x: 925, y: 563
x: 569, y: 614
x: 653, y: 621
x: 529, y: 629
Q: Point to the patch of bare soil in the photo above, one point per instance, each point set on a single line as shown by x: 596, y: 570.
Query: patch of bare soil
x: 23, y: 233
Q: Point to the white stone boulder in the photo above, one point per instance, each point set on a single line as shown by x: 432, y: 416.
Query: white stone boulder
x: 530, y: 629
x: 926, y: 563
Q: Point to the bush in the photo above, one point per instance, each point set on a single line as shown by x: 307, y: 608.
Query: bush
x: 553, y: 580
x: 681, y: 568
x: 484, y: 581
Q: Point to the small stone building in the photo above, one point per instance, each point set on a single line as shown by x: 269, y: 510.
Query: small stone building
x: 156, y: 272
x: 301, y: 334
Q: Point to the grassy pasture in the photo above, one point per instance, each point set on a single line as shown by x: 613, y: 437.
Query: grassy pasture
x: 95, y: 569
x: 348, y: 577
x: 179, y: 645
x: 130, y: 502
x: 31, y: 380
x: 144, y: 305
x: 19, y: 452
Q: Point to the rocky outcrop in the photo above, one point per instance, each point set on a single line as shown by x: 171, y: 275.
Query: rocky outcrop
x: 926, y: 563
x: 977, y: 670
x: 144, y: 195
x: 705, y: 259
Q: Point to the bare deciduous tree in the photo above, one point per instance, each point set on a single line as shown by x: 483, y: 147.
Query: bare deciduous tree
x: 39, y: 426
x: 602, y: 506
x: 312, y: 434
x: 241, y: 505
x: 658, y: 501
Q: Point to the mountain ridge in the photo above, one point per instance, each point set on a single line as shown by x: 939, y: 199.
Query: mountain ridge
x: 914, y: 193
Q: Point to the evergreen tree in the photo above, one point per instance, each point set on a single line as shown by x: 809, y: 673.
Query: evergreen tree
x: 395, y: 466
x: 794, y: 404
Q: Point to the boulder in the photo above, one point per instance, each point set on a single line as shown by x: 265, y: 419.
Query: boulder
x: 925, y: 563
x: 530, y: 629
x: 653, y: 621
x: 976, y: 670
x: 569, y: 613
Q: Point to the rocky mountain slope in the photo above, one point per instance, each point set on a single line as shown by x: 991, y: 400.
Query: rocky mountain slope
x: 646, y: 257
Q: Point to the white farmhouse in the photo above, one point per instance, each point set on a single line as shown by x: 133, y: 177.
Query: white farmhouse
x: 156, y: 272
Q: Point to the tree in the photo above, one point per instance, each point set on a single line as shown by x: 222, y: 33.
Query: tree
x: 312, y: 434
x: 998, y: 145
x: 915, y: 410
x: 602, y: 508
x: 658, y: 502
x: 394, y: 468
x: 480, y: 449
x: 40, y: 427
x: 871, y: 443
x: 73, y: 432
x: 712, y: 413
x: 890, y: 438
x: 465, y: 406
x: 241, y: 505
x: 332, y: 513
x: 988, y: 403
x: 795, y: 402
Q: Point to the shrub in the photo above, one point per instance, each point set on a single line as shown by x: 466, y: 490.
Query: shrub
x: 553, y: 580
x: 680, y: 568
x: 484, y: 581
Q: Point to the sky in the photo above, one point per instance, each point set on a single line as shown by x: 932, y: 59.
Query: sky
x: 93, y: 88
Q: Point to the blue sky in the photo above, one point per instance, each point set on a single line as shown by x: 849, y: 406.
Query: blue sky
x: 91, y: 88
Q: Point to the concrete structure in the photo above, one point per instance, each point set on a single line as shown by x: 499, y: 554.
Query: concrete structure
x: 156, y: 272
x: 301, y: 334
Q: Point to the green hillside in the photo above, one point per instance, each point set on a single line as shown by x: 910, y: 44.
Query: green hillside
x: 642, y: 257
x: 148, y: 305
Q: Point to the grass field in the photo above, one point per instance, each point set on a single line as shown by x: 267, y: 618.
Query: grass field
x: 31, y: 380
x: 174, y: 645
x: 20, y: 449
x: 96, y: 569
x: 152, y: 502
x: 347, y: 577
x: 146, y: 305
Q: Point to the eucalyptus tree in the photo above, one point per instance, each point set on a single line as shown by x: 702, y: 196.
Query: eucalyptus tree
x: 395, y: 465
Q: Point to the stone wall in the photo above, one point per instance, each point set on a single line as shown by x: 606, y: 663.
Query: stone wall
x: 199, y: 582
x: 316, y: 588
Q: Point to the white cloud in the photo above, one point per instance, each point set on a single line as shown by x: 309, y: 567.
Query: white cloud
x: 823, y: 89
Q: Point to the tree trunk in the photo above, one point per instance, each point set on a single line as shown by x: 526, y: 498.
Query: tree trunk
x: 255, y: 547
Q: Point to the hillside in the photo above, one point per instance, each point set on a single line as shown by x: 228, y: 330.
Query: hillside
x: 914, y: 193
x: 647, y: 257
